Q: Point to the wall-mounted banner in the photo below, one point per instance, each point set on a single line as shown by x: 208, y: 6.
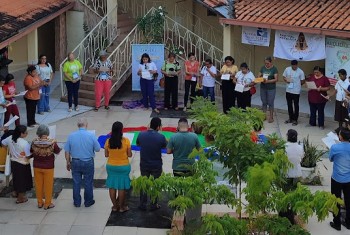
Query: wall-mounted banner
x: 338, y: 56
x: 299, y: 46
x: 256, y: 36
x: 156, y: 52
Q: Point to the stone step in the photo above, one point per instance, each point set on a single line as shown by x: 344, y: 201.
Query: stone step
x: 88, y: 77
x: 87, y: 94
x: 87, y: 86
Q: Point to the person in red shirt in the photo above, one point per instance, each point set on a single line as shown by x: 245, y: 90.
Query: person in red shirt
x: 9, y: 90
x: 317, y: 97
x: 191, y: 77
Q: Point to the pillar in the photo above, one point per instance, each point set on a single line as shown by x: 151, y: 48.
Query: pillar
x: 228, y: 40
x: 32, y: 47
x: 60, y: 40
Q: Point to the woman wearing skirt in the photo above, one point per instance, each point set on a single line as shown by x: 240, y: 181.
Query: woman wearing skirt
x: 19, y: 150
x: 118, y: 150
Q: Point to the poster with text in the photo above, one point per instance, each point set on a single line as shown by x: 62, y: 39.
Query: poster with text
x: 256, y: 36
x: 338, y: 56
x: 156, y: 53
x: 299, y: 46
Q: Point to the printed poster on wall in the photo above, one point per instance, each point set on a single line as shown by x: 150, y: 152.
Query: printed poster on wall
x: 299, y: 46
x: 338, y: 56
x: 156, y: 52
x: 256, y: 36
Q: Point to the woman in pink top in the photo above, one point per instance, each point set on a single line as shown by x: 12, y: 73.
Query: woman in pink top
x: 192, y: 73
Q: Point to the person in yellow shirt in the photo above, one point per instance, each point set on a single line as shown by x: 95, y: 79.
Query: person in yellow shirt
x: 118, y: 150
x: 227, y: 74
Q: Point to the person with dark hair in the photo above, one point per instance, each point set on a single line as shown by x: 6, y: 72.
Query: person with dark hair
x: 151, y: 143
x: 208, y: 79
x: 294, y: 77
x: 10, y: 92
x: 340, y: 91
x: 80, y: 149
x: 32, y: 84
x: 45, y: 73
x: 244, y: 78
x: 318, y: 97
x: 171, y: 70
x: 339, y: 154
x: 73, y: 70
x: 148, y: 74
x: 118, y: 150
x: 227, y: 74
x: 103, y: 80
x: 3, y: 101
x: 268, y: 87
x: 19, y: 150
x: 181, y: 145
x: 192, y: 67
x: 295, y: 154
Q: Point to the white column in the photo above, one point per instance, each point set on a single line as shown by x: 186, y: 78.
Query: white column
x: 228, y: 40
x: 32, y: 47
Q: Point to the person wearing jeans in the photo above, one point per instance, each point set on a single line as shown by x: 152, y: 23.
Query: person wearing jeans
x: 339, y: 155
x: 80, y: 151
x: 73, y: 71
x: 294, y: 77
x: 45, y: 73
x: 191, y: 76
x: 151, y: 143
x: 208, y: 73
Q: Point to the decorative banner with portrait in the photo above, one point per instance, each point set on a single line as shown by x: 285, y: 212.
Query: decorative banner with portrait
x: 156, y: 53
x: 299, y: 46
x: 338, y: 56
x: 256, y: 36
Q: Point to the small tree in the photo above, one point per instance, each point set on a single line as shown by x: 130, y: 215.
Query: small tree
x: 152, y: 25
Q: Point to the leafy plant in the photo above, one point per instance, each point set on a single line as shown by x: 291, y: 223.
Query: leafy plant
x: 312, y: 155
x: 152, y: 25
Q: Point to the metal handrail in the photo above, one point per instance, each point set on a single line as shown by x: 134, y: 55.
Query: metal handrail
x: 97, y: 6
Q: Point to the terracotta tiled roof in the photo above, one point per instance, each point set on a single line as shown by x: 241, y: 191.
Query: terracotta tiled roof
x: 319, y: 14
x: 215, y: 3
x: 16, y: 15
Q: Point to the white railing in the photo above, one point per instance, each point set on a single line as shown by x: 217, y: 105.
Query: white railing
x: 99, y: 38
x: 97, y: 6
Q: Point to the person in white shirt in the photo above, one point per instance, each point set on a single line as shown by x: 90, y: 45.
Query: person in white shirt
x: 208, y: 73
x: 294, y: 77
x: 3, y: 102
x: 340, y: 91
x: 244, y: 80
x: 148, y: 74
x: 295, y: 154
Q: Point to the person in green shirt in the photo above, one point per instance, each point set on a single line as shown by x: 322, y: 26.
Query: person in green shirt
x: 181, y: 145
x: 268, y: 87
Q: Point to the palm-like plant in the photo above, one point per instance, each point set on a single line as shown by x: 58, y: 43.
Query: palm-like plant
x: 312, y: 155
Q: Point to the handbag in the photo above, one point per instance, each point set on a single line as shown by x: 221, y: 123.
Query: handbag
x: 8, y: 164
x: 252, y: 90
x: 162, y: 82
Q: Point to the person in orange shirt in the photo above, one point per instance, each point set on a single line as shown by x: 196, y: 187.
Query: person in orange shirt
x: 32, y: 83
x: 118, y: 150
x: 191, y: 77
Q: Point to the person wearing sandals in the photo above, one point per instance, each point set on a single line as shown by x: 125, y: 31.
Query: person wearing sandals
x: 73, y: 70
x: 10, y: 92
x: 103, y: 81
x: 19, y: 150
x: 171, y: 70
x: 151, y: 143
x: 43, y: 151
x: 192, y: 67
x: 295, y: 78
x: 45, y: 73
x: 147, y: 71
x: 118, y: 150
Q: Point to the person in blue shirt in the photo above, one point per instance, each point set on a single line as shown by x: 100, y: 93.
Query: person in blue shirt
x: 339, y: 154
x: 151, y: 143
x: 80, y: 151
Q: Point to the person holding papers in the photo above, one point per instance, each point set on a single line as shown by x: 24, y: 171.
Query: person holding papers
x: 318, y: 86
x: 73, y: 71
x: 244, y: 80
x: 9, y: 90
x: 3, y: 101
x: 269, y: 73
x: 294, y: 77
x: 45, y: 72
x: 208, y: 79
x: 227, y: 73
x: 43, y: 151
x: 147, y: 71
x: 103, y: 83
x: 339, y: 154
x: 340, y: 90
x: 191, y: 77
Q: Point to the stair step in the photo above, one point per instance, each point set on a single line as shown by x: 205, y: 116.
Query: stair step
x: 87, y: 94
x: 125, y: 29
x: 81, y: 101
x: 88, y: 86
x: 126, y: 22
x: 123, y: 16
x: 88, y: 77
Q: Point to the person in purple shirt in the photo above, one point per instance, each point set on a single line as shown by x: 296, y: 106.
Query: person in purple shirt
x: 339, y: 154
x: 151, y: 143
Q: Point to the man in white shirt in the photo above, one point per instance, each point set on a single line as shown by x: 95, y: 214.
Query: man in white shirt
x: 294, y: 77
x: 208, y: 80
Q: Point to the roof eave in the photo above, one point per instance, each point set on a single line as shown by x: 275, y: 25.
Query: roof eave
x: 25, y: 31
x: 326, y: 32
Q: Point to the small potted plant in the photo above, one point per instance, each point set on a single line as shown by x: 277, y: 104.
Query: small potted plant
x: 312, y: 155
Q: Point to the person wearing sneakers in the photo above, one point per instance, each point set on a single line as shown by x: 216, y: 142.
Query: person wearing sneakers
x: 103, y: 81
x: 339, y: 154
x: 73, y: 70
x: 45, y: 73
x: 294, y: 77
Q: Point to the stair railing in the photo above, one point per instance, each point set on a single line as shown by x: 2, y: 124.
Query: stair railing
x: 98, y: 7
x: 99, y: 38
